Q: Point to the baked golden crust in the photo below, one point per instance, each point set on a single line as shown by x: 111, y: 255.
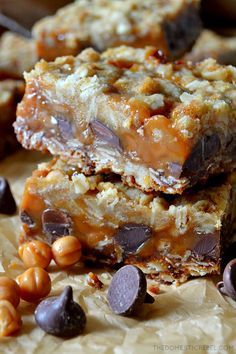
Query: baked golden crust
x: 161, y: 126
x: 17, y: 54
x: 172, y: 238
x: 171, y: 25
x: 11, y: 92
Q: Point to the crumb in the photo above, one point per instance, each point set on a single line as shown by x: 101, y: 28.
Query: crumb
x: 93, y: 280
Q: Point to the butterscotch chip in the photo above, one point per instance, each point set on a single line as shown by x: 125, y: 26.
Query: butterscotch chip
x: 35, y: 254
x: 34, y: 283
x: 66, y: 251
x: 9, y: 290
x: 10, y: 320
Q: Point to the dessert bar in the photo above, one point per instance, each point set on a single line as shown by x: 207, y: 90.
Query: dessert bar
x: 212, y: 45
x: 169, y: 237
x: 172, y: 25
x: 17, y: 54
x: 161, y: 126
x: 11, y: 92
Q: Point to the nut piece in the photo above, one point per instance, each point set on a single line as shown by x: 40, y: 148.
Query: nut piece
x: 66, y: 251
x: 9, y: 290
x: 35, y: 254
x: 93, y: 280
x: 10, y: 320
x: 34, y: 284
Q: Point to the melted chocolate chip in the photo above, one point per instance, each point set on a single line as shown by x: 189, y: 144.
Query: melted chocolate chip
x: 131, y: 236
x: 56, y: 223
x: 105, y: 134
x: 7, y: 201
x: 65, y: 128
x: 207, y: 246
x: 26, y: 219
x: 61, y: 316
x: 228, y: 285
x: 181, y: 32
x: 175, y: 169
x: 203, y: 152
x: 128, y: 291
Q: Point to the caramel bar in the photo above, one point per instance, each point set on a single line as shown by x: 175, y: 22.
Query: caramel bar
x: 11, y: 92
x: 172, y: 25
x: 211, y: 45
x: 171, y: 237
x: 161, y: 126
x: 17, y: 54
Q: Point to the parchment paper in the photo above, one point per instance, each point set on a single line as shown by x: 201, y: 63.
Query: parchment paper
x: 191, y: 318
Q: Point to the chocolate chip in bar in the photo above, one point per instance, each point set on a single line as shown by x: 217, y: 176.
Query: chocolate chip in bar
x: 175, y: 31
x: 61, y: 316
x: 128, y: 291
x: 56, y: 223
x: 207, y: 246
x: 204, y: 150
x: 26, y: 219
x: 228, y: 285
x: 131, y: 236
x: 65, y: 128
x: 105, y: 134
x: 7, y: 201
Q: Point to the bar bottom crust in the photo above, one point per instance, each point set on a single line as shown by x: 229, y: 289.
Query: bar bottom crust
x: 171, y: 238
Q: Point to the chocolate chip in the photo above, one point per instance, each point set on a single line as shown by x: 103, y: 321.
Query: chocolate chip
x: 26, y: 219
x: 65, y: 128
x: 228, y: 285
x: 61, y: 316
x: 7, y: 201
x: 131, y: 236
x: 175, y: 169
x: 181, y: 32
x: 56, y: 223
x: 207, y: 245
x: 105, y: 134
x: 203, y: 152
x: 128, y: 291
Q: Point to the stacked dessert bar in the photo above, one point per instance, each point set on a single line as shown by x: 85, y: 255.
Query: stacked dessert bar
x: 17, y: 54
x: 143, y: 153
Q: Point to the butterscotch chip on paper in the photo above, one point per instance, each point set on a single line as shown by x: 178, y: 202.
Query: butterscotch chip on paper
x: 170, y: 238
x: 162, y: 126
x: 171, y: 25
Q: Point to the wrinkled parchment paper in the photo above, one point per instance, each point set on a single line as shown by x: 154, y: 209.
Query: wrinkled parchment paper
x: 191, y: 318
